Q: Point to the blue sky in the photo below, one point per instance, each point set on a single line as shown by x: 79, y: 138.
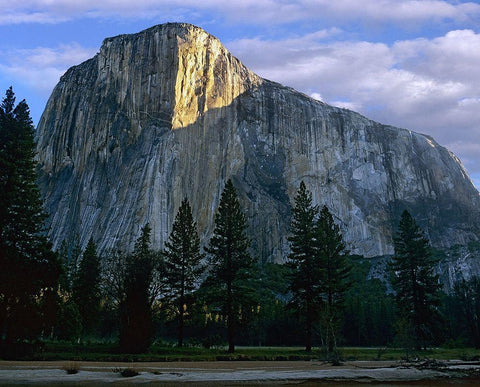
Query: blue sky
x: 409, y: 63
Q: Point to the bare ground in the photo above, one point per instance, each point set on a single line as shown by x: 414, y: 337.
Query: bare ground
x: 241, y: 372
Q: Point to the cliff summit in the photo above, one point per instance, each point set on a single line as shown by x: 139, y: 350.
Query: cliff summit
x: 169, y: 113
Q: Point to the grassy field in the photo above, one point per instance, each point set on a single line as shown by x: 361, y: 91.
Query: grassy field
x: 109, y: 352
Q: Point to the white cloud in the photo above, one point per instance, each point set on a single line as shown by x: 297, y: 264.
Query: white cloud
x: 7, y: 18
x: 453, y: 56
x: 428, y: 85
x: 40, y: 68
x: 406, y: 10
x: 246, y: 11
x: 431, y: 86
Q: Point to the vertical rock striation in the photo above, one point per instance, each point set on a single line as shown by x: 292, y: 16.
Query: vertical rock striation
x: 169, y: 112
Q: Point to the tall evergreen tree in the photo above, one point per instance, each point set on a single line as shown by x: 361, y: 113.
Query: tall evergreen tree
x: 70, y: 258
x: 29, y: 270
x: 231, y: 264
x: 332, y: 260
x: 136, y: 331
x: 307, y: 273
x: 183, y: 261
x: 320, y: 269
x: 413, y: 279
x: 62, y: 253
x: 86, y: 287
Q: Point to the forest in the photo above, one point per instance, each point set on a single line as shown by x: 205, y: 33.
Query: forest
x: 215, y: 293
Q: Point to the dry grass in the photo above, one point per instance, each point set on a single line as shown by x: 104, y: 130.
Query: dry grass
x: 72, y: 367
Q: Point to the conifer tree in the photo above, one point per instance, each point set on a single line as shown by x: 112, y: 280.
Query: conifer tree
x: 335, y: 269
x: 231, y: 264
x: 86, y: 287
x: 183, y: 261
x: 136, y: 331
x: 320, y: 269
x: 29, y: 270
x: 62, y: 253
x: 413, y: 279
x: 70, y: 256
x: 307, y: 273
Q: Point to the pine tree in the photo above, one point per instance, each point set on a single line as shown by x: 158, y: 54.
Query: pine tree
x: 332, y: 260
x: 307, y: 273
x: 183, y: 261
x: 86, y: 287
x: 70, y: 256
x: 29, y: 270
x: 413, y: 279
x: 62, y: 253
x: 136, y: 332
x: 320, y: 269
x: 231, y: 264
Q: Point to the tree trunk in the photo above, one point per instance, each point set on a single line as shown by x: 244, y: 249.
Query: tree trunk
x: 231, y: 345
x: 308, y: 345
x: 230, y: 320
x: 180, y: 324
x: 331, y: 341
x: 330, y: 328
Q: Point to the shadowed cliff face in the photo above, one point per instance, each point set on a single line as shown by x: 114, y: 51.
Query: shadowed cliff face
x: 168, y: 113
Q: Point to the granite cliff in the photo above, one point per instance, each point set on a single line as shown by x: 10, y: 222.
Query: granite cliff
x: 169, y: 112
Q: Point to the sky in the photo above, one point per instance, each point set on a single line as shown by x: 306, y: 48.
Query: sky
x: 414, y: 64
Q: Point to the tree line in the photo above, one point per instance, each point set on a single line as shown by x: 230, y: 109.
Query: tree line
x: 322, y: 296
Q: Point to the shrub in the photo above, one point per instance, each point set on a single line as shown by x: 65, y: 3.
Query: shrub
x: 127, y: 372
x: 71, y: 367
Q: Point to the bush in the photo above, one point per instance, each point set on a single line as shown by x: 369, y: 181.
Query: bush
x: 71, y: 367
x: 212, y: 341
x: 127, y: 372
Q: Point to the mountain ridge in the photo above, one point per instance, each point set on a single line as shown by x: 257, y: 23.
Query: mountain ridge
x: 169, y: 112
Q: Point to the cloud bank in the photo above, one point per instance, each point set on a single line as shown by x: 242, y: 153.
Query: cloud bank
x: 247, y: 11
x: 409, y: 63
x: 431, y: 86
x: 40, y: 68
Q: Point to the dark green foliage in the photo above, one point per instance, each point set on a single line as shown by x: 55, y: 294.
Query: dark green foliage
x: 69, y: 256
x: 467, y: 307
x: 29, y: 270
x: 69, y: 325
x: 183, y: 266
x: 86, y: 288
x: 331, y: 258
x: 112, y: 285
x: 320, y: 269
x: 307, y: 272
x: 113, y: 277
x: 116, y: 279
x: 262, y: 317
x: 416, y: 285
x: 64, y: 280
x: 369, y: 314
x: 136, y: 331
x: 273, y: 323
x: 231, y: 264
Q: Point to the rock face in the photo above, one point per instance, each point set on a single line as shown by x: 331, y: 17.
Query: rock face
x: 169, y: 112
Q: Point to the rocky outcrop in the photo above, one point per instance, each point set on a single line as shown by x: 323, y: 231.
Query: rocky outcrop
x: 169, y: 113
